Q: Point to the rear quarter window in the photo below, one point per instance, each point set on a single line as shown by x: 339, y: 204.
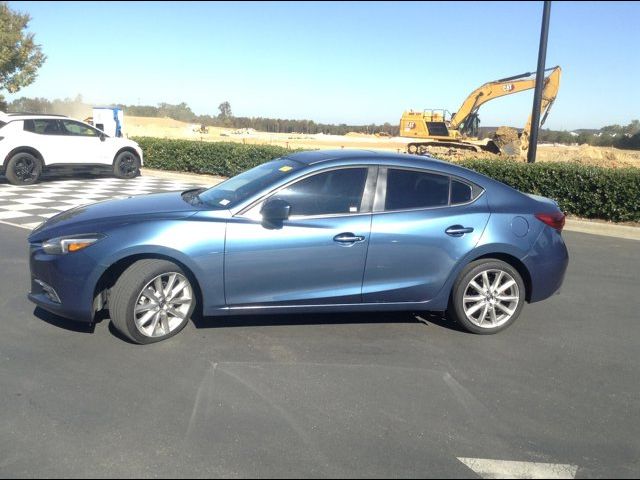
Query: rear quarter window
x: 460, y: 192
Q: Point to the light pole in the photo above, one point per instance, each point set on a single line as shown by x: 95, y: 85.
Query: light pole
x: 537, y: 96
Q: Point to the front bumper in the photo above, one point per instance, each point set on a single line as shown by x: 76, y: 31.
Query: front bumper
x: 69, y: 276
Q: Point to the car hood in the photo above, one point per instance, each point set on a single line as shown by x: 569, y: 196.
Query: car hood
x: 143, y: 207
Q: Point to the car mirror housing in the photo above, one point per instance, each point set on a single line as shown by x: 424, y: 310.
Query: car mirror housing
x: 276, y: 210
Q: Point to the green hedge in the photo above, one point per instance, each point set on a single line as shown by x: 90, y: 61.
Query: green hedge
x: 581, y: 190
x: 214, y: 158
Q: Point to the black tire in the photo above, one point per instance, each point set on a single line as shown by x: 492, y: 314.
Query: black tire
x: 126, y: 165
x: 127, y: 294
x: 477, y: 299
x: 23, y: 169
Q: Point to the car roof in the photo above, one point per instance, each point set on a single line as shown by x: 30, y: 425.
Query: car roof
x: 311, y: 157
x: 315, y: 157
x: 25, y: 116
x: 404, y: 160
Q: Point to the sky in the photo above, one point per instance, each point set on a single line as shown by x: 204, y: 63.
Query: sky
x: 338, y: 62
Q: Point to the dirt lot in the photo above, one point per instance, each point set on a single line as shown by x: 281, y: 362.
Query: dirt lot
x: 169, y: 128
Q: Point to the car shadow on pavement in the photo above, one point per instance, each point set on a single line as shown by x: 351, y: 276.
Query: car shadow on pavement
x: 426, y: 318
x: 64, y: 323
x: 51, y: 177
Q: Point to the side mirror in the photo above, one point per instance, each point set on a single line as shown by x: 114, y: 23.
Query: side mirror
x: 275, y: 210
x: 102, y: 137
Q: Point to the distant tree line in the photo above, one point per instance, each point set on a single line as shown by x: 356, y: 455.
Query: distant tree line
x: 620, y: 136
x: 182, y: 112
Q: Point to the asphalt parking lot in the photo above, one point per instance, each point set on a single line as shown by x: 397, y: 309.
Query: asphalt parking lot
x: 385, y: 395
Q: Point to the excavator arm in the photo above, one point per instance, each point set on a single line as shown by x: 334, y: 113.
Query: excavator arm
x: 549, y: 94
x: 502, y: 87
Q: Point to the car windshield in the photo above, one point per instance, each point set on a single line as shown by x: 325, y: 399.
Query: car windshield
x: 239, y: 188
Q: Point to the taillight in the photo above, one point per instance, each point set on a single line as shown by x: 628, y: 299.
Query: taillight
x: 554, y: 220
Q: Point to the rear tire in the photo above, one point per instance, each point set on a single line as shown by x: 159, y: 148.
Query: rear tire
x: 23, y: 169
x: 151, y: 301
x: 487, y: 297
x: 126, y: 165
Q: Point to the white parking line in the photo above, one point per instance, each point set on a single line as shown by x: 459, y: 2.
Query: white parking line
x: 488, y: 468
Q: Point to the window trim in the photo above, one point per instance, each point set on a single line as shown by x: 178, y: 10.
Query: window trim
x: 366, y: 202
x: 381, y: 190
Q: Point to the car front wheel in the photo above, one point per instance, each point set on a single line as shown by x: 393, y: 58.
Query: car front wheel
x: 126, y: 165
x: 487, y: 297
x: 151, y: 301
x: 23, y: 169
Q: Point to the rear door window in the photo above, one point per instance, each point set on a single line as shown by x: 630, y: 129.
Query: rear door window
x: 409, y: 189
x: 47, y: 126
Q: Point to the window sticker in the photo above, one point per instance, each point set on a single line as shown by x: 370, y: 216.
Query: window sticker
x: 353, y: 209
x: 286, y: 168
x: 224, y: 202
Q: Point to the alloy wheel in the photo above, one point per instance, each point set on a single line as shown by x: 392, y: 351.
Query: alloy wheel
x: 25, y: 169
x: 163, y: 304
x: 491, y: 298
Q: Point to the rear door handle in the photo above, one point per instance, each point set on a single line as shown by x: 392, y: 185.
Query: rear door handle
x: 458, y: 230
x: 348, y: 237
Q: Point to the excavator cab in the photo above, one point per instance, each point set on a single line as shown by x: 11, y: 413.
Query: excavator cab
x: 428, y: 123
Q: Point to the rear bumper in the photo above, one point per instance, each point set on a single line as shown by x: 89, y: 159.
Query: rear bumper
x: 547, y: 263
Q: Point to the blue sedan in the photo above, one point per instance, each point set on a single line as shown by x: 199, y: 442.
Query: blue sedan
x: 321, y: 231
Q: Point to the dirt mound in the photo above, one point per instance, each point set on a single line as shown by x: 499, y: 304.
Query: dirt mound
x: 589, y: 155
x: 356, y: 134
x: 504, y: 136
x: 155, y: 121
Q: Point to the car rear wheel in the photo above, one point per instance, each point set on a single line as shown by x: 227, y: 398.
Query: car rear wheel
x: 23, y: 169
x: 487, y: 297
x: 126, y: 165
x: 151, y: 301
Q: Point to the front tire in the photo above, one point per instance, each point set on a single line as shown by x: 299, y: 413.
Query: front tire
x: 23, y: 169
x: 151, y: 301
x: 126, y: 165
x: 487, y: 297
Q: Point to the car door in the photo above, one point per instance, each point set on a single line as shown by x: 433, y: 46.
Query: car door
x: 85, y: 145
x: 48, y: 137
x: 316, y: 256
x: 423, y: 224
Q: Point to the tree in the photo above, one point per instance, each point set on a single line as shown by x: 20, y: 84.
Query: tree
x: 225, y: 110
x: 20, y: 57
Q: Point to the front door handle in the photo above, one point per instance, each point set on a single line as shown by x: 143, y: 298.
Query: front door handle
x: 348, y: 237
x: 458, y: 230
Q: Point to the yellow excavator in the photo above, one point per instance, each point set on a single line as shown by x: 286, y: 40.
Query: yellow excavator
x: 439, y: 128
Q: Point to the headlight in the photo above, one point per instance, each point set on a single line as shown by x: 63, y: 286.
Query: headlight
x: 70, y: 244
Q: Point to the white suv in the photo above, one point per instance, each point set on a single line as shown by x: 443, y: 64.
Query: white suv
x: 33, y: 143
